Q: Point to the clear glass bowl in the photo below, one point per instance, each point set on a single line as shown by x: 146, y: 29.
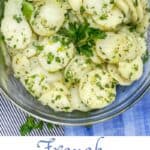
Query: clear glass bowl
x: 12, y: 88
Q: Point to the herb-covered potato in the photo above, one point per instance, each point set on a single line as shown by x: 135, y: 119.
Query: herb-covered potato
x: 131, y: 70
x: 58, y: 98
x: 21, y: 65
x: 117, y: 47
x: 116, y: 75
x: 104, y: 13
x: 47, y: 18
x: 14, y: 26
x: 97, y: 89
x: 76, y: 101
x: 75, y: 4
x: 55, y: 55
x: 37, y: 80
x: 77, y: 67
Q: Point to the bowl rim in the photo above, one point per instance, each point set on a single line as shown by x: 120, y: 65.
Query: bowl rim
x: 83, y: 123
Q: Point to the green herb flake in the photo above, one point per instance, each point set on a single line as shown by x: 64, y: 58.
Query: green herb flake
x: 17, y: 18
x: 50, y: 58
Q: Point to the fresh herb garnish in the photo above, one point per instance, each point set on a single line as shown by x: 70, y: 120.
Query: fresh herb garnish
x: 29, y: 125
x: 27, y: 9
x: 32, y: 124
x: 83, y: 36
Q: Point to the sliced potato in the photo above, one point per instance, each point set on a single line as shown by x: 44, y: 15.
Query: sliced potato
x: 115, y: 74
x: 142, y: 46
x: 131, y: 70
x: 107, y: 48
x: 116, y: 47
x: 55, y: 56
x: 13, y: 7
x: 132, y: 10
x: 139, y: 9
x: 75, y: 4
x: 21, y: 65
x: 96, y: 59
x: 109, y: 21
x: 97, y: 7
x: 97, y: 89
x: 48, y: 18
x: 14, y: 27
x: 58, y: 98
x: 123, y: 6
x: 78, y: 66
x: 143, y: 26
x: 36, y: 68
x: 36, y: 84
x: 76, y: 102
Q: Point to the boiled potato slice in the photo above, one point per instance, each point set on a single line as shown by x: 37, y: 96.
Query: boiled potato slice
x: 116, y: 47
x: 37, y: 69
x: 123, y: 6
x: 97, y: 89
x: 97, y: 7
x: 131, y: 70
x: 113, y: 70
x: 132, y: 10
x: 109, y: 21
x: 14, y: 27
x: 30, y: 51
x: 58, y: 98
x: 142, y: 46
x: 20, y: 65
x: 76, y: 102
x: 55, y: 55
x: 36, y: 84
x: 96, y: 59
x: 108, y: 48
x: 139, y: 9
x: 143, y: 26
x: 78, y: 66
x: 13, y: 7
x: 75, y: 4
x: 48, y: 18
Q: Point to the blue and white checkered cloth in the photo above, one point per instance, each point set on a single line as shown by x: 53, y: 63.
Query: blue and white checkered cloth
x: 135, y: 121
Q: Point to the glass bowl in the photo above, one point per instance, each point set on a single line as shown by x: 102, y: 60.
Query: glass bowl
x: 15, y: 92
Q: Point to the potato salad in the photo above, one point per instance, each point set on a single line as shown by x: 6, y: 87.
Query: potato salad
x: 72, y: 54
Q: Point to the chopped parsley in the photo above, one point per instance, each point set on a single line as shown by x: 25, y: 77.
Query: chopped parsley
x: 50, y: 58
x: 103, y: 17
x: 17, y: 18
x: 132, y: 28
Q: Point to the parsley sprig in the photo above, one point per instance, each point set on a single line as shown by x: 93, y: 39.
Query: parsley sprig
x: 83, y: 36
x: 32, y: 124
